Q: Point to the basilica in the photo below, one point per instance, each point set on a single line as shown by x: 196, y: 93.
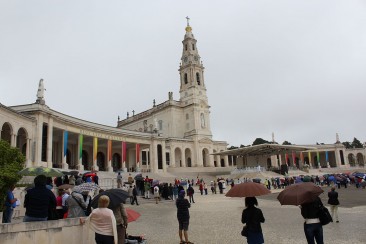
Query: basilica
x: 170, y: 135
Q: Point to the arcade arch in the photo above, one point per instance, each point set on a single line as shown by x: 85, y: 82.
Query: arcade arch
x: 205, y: 157
x: 188, y: 157
x: 360, y: 160
x: 351, y: 159
x: 178, y: 156
x: 6, y: 132
x: 22, y: 140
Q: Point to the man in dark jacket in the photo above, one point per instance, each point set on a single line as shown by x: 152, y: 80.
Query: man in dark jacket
x: 333, y: 202
x: 183, y: 216
x: 38, y: 201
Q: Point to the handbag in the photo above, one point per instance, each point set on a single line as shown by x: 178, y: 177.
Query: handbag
x: 244, y: 232
x: 324, y: 215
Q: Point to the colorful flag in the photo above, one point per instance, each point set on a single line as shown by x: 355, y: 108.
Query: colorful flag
x: 66, y: 136
x: 95, y: 149
x: 124, y: 151
x: 318, y: 157
x: 309, y: 155
x: 326, y: 157
x: 286, y: 156
x: 293, y: 158
x: 137, y: 154
x: 109, y: 149
x: 302, y: 157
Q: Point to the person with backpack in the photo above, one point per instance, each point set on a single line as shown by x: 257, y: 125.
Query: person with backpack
x: 156, y: 193
x: 76, y: 205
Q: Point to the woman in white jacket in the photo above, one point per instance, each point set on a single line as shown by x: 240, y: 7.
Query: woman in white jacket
x: 102, y: 222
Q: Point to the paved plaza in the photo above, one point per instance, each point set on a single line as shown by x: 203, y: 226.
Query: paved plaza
x: 217, y: 219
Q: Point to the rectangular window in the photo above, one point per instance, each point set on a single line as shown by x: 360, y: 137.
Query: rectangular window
x: 167, y: 158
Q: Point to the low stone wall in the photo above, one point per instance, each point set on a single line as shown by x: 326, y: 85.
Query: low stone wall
x: 44, y: 232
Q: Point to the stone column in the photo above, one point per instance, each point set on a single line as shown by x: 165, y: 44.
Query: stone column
x: 13, y: 140
x: 172, y: 157
x: 49, y: 142
x: 154, y: 157
x: 183, y: 158
x: 28, y: 160
x: 38, y: 156
x: 163, y: 152
x: 226, y: 161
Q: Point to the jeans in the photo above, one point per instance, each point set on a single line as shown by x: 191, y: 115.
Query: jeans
x: 314, y: 231
x: 191, y: 199
x: 7, y: 214
x: 32, y: 219
x: 103, y: 239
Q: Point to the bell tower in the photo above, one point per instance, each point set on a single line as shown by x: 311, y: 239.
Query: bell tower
x: 193, y: 89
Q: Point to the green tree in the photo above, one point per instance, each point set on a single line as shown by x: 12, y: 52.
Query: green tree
x: 259, y: 141
x: 356, y: 143
x: 11, y: 161
x: 347, y: 144
x: 286, y: 143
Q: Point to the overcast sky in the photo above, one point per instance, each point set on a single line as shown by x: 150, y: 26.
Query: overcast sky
x: 295, y: 68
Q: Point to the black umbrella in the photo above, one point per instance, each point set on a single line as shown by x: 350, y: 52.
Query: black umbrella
x: 139, y: 177
x: 116, y: 197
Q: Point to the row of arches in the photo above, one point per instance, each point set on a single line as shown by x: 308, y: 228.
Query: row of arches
x: 18, y: 139
x: 356, y: 160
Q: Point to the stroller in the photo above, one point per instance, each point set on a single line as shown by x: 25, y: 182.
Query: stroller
x: 135, y: 239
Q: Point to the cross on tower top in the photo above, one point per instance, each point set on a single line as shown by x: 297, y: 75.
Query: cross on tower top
x: 187, y: 20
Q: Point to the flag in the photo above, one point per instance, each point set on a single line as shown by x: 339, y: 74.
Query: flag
x: 81, y: 139
x: 137, y: 154
x: 66, y: 135
x: 326, y: 157
x: 95, y: 148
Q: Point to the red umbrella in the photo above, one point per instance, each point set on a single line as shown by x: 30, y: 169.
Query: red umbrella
x: 247, y: 189
x: 132, y: 215
x: 300, y: 193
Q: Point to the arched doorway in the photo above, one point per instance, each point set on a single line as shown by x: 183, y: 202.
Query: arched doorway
x: 351, y: 159
x: 222, y: 162
x: 160, y: 157
x: 215, y: 162
x: 360, y: 160
x: 84, y: 160
x: 22, y: 140
x: 188, y: 158
x: 116, y: 162
x: 101, y: 161
x: 205, y: 158
x: 269, y: 163
x: 178, y: 157
x: 6, y: 132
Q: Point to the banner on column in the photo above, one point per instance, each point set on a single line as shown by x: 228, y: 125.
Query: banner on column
x: 66, y: 136
x: 286, y: 157
x: 95, y: 148
x: 109, y: 151
x: 302, y: 157
x: 137, y: 155
x: 318, y: 157
x: 326, y: 157
x: 309, y: 155
x: 293, y: 158
x: 81, y: 139
x: 124, y: 150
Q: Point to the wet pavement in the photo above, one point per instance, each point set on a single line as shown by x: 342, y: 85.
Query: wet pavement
x: 217, y: 219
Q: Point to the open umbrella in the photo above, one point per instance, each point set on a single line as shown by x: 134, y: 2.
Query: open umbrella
x: 116, y: 197
x: 247, y: 189
x: 139, y: 177
x: 65, y: 186
x: 34, y: 171
x: 132, y: 215
x: 300, y: 193
x: 86, y: 187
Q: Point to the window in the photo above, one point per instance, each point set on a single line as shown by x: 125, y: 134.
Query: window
x: 187, y: 116
x: 186, y: 47
x: 185, y: 78
x: 193, y: 46
x: 160, y: 125
x: 198, y: 78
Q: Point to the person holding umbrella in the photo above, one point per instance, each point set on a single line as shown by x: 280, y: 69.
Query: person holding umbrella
x: 312, y: 226
x: 121, y: 221
x: 253, y: 217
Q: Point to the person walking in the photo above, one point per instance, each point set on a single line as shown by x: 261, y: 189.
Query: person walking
x: 10, y: 204
x: 190, y: 193
x: 103, y: 222
x: 183, y: 206
x: 121, y: 221
x: 147, y: 187
x: 156, y: 193
x: 253, y: 217
x: 134, y: 196
x: 130, y: 194
x: 333, y: 202
x: 119, y: 180
x: 312, y: 226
